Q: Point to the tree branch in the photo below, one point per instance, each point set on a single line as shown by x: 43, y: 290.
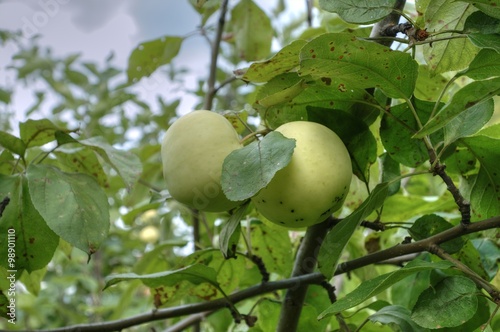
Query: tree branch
x: 305, y: 263
x: 290, y: 283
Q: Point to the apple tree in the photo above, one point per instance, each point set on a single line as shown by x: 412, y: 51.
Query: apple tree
x: 343, y: 176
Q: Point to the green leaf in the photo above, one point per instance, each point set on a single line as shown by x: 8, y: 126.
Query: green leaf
x: 283, y: 61
x: 479, y: 22
x: 37, y: 132
x: 468, y: 122
x: 484, y: 65
x: 12, y: 143
x: 355, y: 134
x: 480, y: 317
x: 372, y: 287
x: 252, y: 30
x: 396, y: 315
x: 469, y: 255
x: 195, y: 274
x: 431, y: 224
x: 126, y: 164
x: 490, y: 255
x: 461, y: 161
x: 450, y: 303
x: 489, y: 7
x: 282, y: 96
x: 230, y: 233
x: 4, y: 302
x: 74, y: 206
x: 5, y: 96
x: 273, y: 246
x: 35, y: 242
x: 452, y: 54
x: 355, y: 11
x: 429, y: 85
x: 469, y: 96
x: 485, y: 193
x: 397, y: 130
x: 150, y: 55
x: 486, y: 41
x: 205, y: 8
x: 81, y: 160
x: 246, y: 171
x: 336, y: 240
x: 349, y: 63
x: 390, y: 170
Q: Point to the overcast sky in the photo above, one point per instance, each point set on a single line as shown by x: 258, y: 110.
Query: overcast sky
x: 95, y: 28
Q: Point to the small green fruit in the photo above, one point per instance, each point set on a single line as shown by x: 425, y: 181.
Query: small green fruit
x: 193, y: 151
x: 314, y: 184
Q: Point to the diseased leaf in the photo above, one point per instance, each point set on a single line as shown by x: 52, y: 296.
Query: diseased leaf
x: 246, y: 171
x: 372, y: 287
x: 469, y: 96
x: 356, y: 11
x: 74, y: 206
x: 450, y: 303
x: 451, y: 54
x: 35, y: 242
x: 148, y: 56
x: 273, y: 246
x: 337, y: 238
x: 283, y: 61
x: 253, y: 33
x: 429, y: 85
x: 349, y: 63
x: 81, y: 160
x: 37, y: 132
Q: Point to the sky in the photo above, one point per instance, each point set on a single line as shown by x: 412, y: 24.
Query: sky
x: 95, y: 28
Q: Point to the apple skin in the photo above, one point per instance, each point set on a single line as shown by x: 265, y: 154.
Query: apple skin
x: 314, y: 184
x: 193, y: 151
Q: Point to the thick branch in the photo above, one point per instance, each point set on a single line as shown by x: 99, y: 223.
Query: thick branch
x: 305, y: 263
x: 380, y: 28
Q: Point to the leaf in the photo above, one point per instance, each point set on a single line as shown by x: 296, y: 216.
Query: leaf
x: 480, y: 317
x: 468, y: 122
x: 12, y: 143
x: 126, y: 164
x: 230, y: 233
x: 37, y: 132
x: 484, y: 65
x: 390, y: 170
x: 396, y: 315
x: 205, y: 8
x: 5, y: 96
x: 490, y: 255
x: 431, y: 224
x: 73, y: 205
x: 273, y: 246
x: 461, y: 161
x: 450, y: 303
x: 252, y: 30
x: 452, y: 54
x: 283, y: 61
x: 372, y: 287
x: 355, y: 11
x: 485, y: 41
x: 470, y: 95
x: 148, y: 56
x: 81, y: 160
x: 429, y: 85
x: 479, y: 22
x: 469, y: 256
x: 397, y: 133
x: 337, y: 238
x: 355, y: 134
x: 247, y: 170
x: 35, y: 242
x: 485, y: 193
x: 195, y: 274
x: 282, y: 96
x: 350, y: 63
x: 490, y: 7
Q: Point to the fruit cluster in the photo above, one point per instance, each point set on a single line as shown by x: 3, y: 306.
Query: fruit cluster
x: 305, y: 192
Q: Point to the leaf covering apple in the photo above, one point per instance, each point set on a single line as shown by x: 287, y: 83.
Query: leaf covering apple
x: 193, y: 150
x: 315, y: 182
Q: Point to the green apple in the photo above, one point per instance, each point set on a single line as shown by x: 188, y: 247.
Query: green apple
x: 314, y: 184
x: 193, y: 151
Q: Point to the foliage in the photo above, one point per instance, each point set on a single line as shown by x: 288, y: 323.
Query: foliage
x: 414, y: 248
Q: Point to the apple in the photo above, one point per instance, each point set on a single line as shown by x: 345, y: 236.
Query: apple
x: 314, y: 184
x: 149, y: 234
x: 193, y: 151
